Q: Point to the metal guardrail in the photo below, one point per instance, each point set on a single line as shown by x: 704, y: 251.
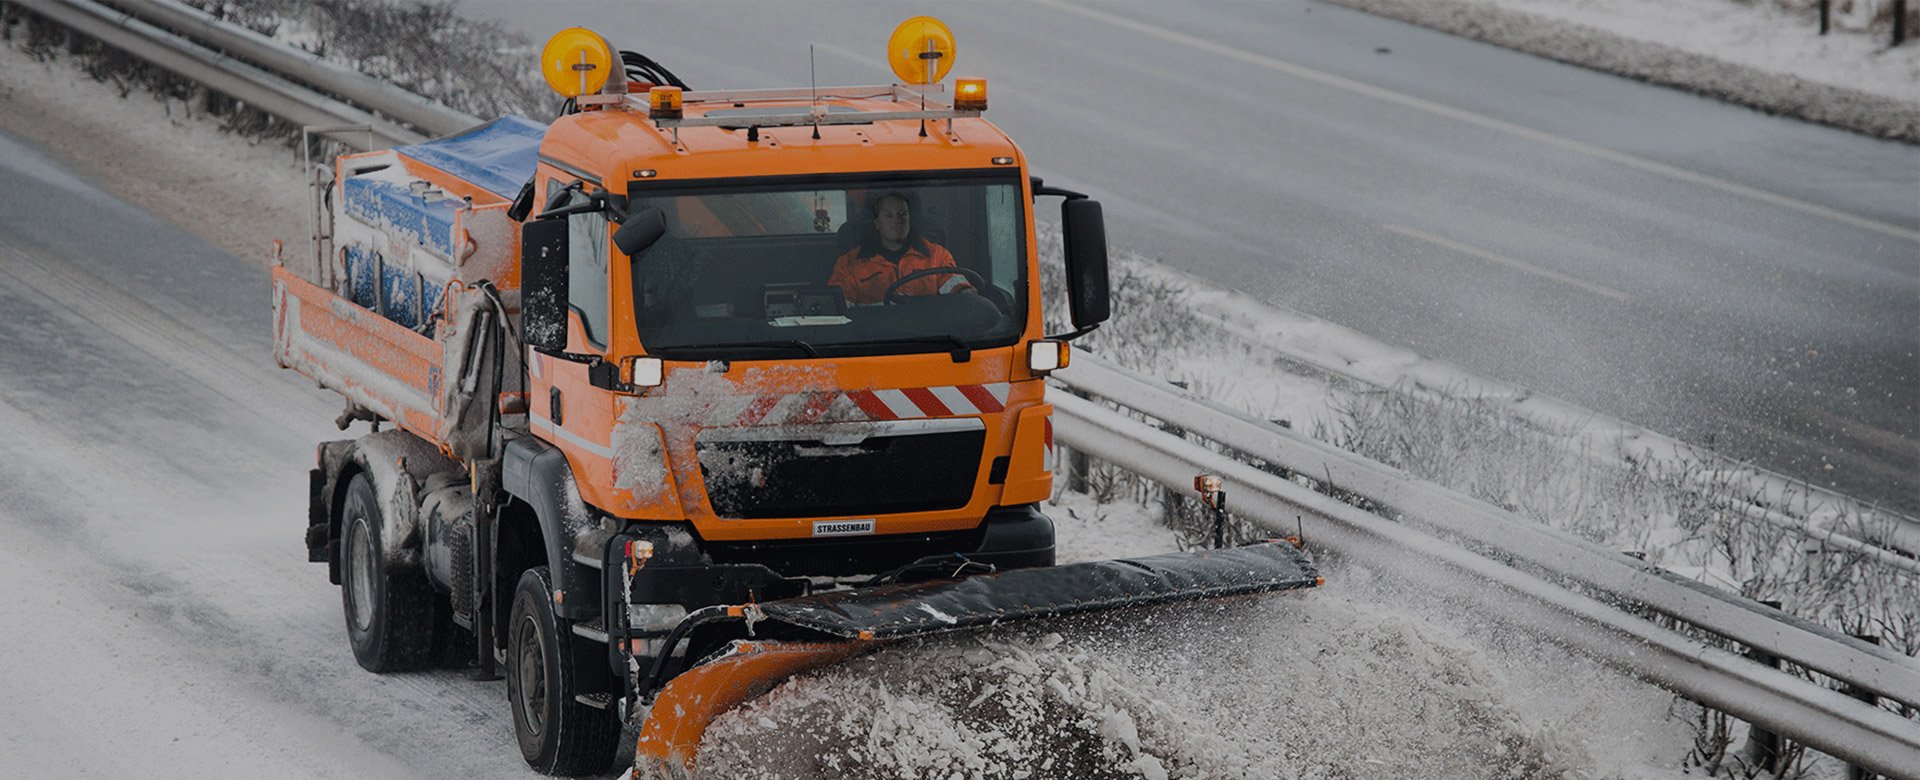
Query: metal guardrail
x: 425, y: 114
x: 1830, y: 652
x: 1824, y: 719
x: 1895, y: 539
x: 258, y: 88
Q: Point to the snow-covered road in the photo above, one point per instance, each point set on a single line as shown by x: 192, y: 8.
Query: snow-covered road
x: 164, y: 618
x: 161, y: 615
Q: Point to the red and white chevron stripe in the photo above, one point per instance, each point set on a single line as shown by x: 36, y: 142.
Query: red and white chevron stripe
x: 950, y: 401
x: 1047, y: 453
x: 837, y: 405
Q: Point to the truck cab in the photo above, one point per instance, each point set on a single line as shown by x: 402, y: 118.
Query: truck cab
x: 761, y: 368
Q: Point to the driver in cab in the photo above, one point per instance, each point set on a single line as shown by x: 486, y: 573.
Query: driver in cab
x: 893, y: 251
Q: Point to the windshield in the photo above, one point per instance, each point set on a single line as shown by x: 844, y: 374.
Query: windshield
x: 832, y: 267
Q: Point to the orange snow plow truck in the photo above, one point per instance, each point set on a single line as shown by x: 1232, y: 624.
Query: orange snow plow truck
x: 692, y: 391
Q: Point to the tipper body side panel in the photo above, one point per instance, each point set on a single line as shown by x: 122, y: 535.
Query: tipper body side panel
x: 390, y: 318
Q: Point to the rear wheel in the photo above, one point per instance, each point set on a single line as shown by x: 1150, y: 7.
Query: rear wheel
x: 558, y: 735
x: 389, y: 610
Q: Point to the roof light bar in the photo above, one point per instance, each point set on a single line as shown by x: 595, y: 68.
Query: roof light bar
x: 791, y: 119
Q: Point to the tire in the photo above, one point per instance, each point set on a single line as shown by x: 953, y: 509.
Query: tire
x: 389, y: 611
x: 558, y: 735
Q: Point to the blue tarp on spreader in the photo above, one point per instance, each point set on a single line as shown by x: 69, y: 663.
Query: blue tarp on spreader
x: 499, y: 155
x: 395, y: 206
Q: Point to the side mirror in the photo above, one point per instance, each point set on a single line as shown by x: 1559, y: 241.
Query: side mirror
x: 1085, y: 232
x: 522, y: 203
x: 640, y: 230
x: 543, y: 284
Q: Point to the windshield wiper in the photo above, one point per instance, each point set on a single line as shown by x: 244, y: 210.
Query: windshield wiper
x: 961, y: 351
x: 803, y: 347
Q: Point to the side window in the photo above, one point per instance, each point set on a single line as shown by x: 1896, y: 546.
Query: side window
x: 586, y: 266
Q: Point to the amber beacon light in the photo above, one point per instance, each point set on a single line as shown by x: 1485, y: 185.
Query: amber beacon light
x: 576, y: 61
x: 663, y: 103
x: 970, y: 94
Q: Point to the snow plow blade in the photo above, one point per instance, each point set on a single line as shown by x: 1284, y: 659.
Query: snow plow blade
x: 812, y: 631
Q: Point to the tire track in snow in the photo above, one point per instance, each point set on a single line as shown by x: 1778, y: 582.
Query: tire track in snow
x: 185, y: 533
x: 219, y: 617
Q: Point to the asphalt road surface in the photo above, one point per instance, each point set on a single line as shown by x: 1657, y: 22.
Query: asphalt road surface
x: 1739, y: 281
x: 161, y: 612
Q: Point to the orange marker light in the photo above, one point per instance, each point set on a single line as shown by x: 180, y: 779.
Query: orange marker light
x: 663, y: 102
x: 1046, y: 356
x: 970, y: 94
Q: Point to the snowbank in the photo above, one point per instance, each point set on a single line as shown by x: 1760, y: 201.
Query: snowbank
x: 1754, y: 54
x: 1317, y: 684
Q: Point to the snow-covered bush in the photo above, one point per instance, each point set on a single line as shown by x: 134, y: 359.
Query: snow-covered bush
x: 1856, y: 15
x: 423, y: 46
x: 1705, y: 519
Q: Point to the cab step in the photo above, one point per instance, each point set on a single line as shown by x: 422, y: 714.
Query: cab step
x: 595, y: 629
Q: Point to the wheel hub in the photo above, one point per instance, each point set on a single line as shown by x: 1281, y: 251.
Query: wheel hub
x: 360, y: 574
x: 532, y: 674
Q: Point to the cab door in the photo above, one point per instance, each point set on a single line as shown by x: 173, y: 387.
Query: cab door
x: 564, y: 406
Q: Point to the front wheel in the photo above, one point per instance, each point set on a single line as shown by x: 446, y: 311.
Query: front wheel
x: 558, y: 735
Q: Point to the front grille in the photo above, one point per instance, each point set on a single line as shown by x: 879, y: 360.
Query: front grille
x: 845, y: 557
x: 908, y: 470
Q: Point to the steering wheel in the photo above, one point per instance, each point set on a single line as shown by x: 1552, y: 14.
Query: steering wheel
x: 973, y: 277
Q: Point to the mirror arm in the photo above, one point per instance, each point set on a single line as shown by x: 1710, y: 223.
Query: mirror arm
x: 1074, y: 334
x: 1042, y: 191
x: 559, y: 197
x: 614, y: 205
x: 564, y: 211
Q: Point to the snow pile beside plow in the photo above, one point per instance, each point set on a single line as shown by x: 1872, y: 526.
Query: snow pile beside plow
x: 1274, y: 687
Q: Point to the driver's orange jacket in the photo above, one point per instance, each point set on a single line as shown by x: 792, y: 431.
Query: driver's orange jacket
x: 864, y: 278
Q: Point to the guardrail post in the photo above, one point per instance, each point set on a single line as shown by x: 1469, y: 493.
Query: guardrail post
x: 1854, y: 771
x: 1171, y: 505
x: 1826, y: 13
x: 1215, y: 500
x: 1077, y: 462
x: 1762, y: 750
x: 1899, y: 21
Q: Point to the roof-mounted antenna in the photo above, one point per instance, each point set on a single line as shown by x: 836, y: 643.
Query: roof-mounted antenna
x: 927, y: 59
x: 813, y: 82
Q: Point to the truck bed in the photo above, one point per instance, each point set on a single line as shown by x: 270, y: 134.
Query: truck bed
x: 416, y: 270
